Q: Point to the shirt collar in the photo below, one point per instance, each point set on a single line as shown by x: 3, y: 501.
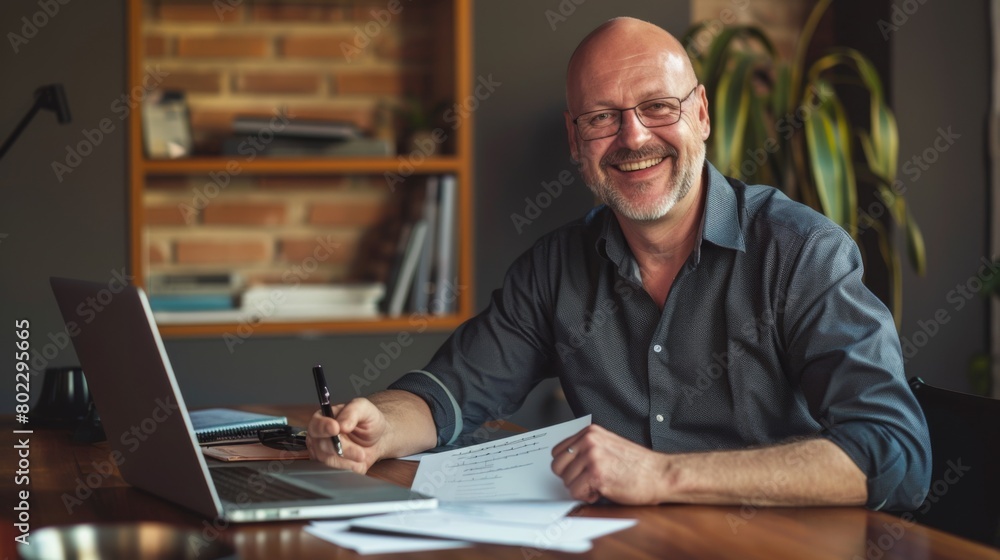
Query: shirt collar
x: 720, y: 225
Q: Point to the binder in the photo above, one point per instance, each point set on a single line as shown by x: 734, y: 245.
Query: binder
x: 214, y: 426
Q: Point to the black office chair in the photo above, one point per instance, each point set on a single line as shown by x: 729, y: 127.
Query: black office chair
x: 964, y: 498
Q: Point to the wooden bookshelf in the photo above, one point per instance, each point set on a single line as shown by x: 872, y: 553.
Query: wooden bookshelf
x: 454, y: 15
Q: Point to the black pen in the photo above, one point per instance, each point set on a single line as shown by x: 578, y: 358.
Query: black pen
x: 324, y: 402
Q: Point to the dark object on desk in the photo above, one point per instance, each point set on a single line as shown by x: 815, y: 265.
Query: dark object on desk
x: 964, y: 498
x: 90, y: 429
x: 284, y: 438
x: 52, y: 98
x: 64, y: 399
x: 146, y: 540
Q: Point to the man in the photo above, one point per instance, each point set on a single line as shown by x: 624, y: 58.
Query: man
x: 719, y: 333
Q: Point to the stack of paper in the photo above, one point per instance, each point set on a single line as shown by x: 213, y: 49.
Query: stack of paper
x: 500, y: 492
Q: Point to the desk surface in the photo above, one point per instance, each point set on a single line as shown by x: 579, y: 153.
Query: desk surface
x: 669, y: 531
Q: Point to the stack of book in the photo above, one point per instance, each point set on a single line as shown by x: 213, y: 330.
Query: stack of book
x: 301, y: 138
x: 422, y: 278
x: 320, y: 301
x: 193, y: 292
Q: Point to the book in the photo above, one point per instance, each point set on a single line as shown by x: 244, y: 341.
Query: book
x: 190, y: 284
x: 225, y: 425
x: 320, y: 300
x: 297, y: 128
x: 407, y: 269
x: 445, y: 288
x: 190, y: 302
x: 309, y: 147
x: 422, y: 286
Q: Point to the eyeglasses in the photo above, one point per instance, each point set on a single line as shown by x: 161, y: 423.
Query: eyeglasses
x: 662, y: 111
x: 282, y: 438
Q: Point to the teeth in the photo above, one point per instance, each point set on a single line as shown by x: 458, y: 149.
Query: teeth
x: 637, y: 165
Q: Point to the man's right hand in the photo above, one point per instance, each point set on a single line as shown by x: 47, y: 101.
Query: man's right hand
x: 362, y: 429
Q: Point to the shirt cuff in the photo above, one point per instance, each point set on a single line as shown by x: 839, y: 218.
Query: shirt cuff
x: 891, y: 484
x: 444, y: 408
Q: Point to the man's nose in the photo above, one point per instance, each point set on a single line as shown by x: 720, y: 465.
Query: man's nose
x: 633, y: 134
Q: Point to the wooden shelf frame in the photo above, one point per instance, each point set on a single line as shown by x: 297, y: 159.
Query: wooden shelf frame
x: 460, y: 164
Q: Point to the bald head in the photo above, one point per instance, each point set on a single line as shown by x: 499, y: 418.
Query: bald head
x: 625, y: 43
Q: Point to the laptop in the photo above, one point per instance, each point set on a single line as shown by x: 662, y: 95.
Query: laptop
x: 150, y: 431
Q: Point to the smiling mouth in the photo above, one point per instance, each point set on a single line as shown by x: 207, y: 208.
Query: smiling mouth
x: 637, y: 165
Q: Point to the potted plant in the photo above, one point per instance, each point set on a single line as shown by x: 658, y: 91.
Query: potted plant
x: 782, y: 123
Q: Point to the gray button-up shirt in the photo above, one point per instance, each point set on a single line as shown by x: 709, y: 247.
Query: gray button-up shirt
x: 767, y: 334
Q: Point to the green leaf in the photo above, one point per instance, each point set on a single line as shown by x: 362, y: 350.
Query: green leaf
x: 732, y: 108
x: 915, y: 245
x: 829, y: 148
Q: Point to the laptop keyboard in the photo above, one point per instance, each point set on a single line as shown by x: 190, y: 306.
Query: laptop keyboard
x: 248, y: 485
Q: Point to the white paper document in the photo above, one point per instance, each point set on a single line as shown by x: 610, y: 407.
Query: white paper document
x: 569, y: 534
x: 514, y: 468
x: 365, y: 543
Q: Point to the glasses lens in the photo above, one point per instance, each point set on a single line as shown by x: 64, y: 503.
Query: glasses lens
x: 660, y: 112
x: 598, y: 124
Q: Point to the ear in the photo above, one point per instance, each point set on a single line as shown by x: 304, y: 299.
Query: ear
x: 703, y: 115
x: 574, y: 146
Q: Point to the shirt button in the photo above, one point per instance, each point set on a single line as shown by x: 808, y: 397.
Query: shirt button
x: 657, y: 348
x: 659, y: 418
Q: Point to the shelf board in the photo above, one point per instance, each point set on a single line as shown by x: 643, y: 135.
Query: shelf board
x: 405, y: 164
x: 298, y: 328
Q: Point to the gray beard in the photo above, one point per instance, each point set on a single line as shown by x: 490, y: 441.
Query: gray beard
x: 615, y: 199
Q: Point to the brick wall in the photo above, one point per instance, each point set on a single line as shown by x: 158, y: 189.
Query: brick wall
x: 329, y: 60
x: 343, y: 60
x: 318, y: 229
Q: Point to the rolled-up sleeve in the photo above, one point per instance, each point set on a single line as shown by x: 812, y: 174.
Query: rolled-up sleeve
x: 486, y: 369
x: 844, y: 353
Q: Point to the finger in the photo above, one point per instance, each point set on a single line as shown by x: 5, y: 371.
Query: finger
x: 583, y: 486
x: 320, y: 426
x: 354, y: 413
x: 567, y: 443
x: 562, y: 460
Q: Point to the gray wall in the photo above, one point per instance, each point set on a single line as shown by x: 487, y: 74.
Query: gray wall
x: 941, y: 79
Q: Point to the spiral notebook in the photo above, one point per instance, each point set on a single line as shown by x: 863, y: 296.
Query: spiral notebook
x: 216, y: 426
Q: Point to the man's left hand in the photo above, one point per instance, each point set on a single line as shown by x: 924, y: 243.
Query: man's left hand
x: 596, y: 463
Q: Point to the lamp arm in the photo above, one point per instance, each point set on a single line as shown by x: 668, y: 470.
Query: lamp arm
x: 37, y: 106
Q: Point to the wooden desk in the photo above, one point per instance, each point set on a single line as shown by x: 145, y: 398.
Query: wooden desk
x: 677, y: 532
